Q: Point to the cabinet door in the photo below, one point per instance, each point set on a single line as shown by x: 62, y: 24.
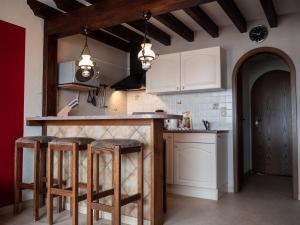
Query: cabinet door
x: 164, y: 75
x: 201, y: 69
x: 168, y: 137
x: 195, y: 164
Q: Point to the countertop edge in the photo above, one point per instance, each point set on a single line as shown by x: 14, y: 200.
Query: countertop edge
x: 197, y: 131
x: 104, y: 117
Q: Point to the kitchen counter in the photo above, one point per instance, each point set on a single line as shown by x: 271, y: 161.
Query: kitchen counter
x: 148, y: 128
x: 37, y: 121
x: 197, y: 131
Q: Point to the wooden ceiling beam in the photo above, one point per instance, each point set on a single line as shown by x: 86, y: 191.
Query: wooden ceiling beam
x: 108, y: 13
x: 42, y: 10
x: 270, y: 12
x: 200, y: 17
x: 153, y: 31
x: 176, y: 25
x: 67, y: 5
x: 125, y: 33
x: 93, y: 1
x: 109, y: 39
x: 234, y: 14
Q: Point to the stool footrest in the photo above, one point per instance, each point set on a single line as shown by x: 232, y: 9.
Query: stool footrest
x: 24, y: 186
x: 130, y: 199
x: 102, y: 207
x: 103, y: 194
x: 61, y: 192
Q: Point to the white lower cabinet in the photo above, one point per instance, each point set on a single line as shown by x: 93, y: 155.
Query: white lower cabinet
x: 198, y: 162
x: 195, y: 164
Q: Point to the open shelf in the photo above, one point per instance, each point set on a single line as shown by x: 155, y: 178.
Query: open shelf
x: 77, y: 87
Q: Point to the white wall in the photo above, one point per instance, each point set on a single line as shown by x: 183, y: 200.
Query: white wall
x: 17, y: 12
x: 113, y: 67
x: 285, y: 37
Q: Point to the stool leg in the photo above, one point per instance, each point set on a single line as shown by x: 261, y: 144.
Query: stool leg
x: 89, y: 216
x: 59, y: 179
x: 75, y: 184
x: 117, y: 186
x: 49, y: 186
x: 140, y: 203
x: 71, y: 180
x: 17, y: 172
x: 42, y: 163
x: 36, y: 185
x: 96, y: 179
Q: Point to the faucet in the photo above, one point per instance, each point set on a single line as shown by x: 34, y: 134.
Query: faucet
x: 206, y: 124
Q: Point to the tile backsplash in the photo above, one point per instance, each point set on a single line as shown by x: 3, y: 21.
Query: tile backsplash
x: 216, y: 107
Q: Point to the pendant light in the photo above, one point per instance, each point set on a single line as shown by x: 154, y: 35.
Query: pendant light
x: 146, y: 55
x: 85, y: 63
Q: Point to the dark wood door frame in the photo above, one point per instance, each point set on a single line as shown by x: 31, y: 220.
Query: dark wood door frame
x: 237, y: 132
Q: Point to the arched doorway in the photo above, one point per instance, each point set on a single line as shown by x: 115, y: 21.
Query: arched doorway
x: 238, y: 115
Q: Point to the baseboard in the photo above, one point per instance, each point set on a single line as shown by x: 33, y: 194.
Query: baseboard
x: 10, y: 208
x: 107, y: 216
x: 205, y: 193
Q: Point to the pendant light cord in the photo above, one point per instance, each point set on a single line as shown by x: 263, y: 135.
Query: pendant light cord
x: 86, y: 42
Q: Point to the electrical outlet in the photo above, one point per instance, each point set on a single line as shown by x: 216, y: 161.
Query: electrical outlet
x: 215, y: 106
x: 223, y: 111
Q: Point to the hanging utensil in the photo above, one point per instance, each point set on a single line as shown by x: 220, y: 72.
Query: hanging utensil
x: 94, y: 101
x: 89, y: 99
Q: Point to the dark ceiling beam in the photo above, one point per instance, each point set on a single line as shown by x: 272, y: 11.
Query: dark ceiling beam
x: 125, y: 33
x: 93, y: 1
x: 200, y: 17
x: 68, y: 5
x: 270, y: 12
x: 176, y: 25
x: 42, y: 10
x: 107, y: 13
x: 153, y: 31
x: 109, y: 39
x: 234, y: 14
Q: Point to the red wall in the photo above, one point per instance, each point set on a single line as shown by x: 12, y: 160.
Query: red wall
x: 12, y: 60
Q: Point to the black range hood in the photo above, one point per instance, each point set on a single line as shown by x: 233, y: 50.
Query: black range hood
x: 137, y: 78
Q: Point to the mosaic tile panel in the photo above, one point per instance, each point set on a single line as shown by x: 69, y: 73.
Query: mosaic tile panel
x: 129, y: 162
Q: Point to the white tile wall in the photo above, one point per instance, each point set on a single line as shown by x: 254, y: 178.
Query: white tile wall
x: 216, y: 107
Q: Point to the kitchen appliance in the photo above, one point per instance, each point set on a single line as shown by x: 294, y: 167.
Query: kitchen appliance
x: 67, y: 74
x: 137, y: 78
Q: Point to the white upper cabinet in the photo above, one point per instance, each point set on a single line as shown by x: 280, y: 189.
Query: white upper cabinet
x: 201, y: 69
x: 164, y: 75
x: 197, y: 70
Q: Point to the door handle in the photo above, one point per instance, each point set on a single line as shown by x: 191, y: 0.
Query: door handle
x: 257, y: 121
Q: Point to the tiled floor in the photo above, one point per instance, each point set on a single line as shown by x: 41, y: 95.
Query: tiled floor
x: 263, y: 201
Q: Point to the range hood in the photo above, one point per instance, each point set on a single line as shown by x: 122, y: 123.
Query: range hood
x: 137, y: 78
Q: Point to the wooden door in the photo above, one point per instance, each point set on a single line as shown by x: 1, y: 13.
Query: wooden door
x: 201, y: 69
x: 164, y: 75
x: 272, y: 124
x: 12, y: 49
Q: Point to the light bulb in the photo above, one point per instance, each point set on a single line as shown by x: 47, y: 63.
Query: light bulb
x: 146, y: 55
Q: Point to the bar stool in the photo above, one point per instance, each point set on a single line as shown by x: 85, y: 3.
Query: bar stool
x: 116, y: 147
x: 39, y: 146
x: 60, y: 145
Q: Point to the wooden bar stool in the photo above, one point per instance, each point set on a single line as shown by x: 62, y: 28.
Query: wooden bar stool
x: 116, y: 147
x: 72, y: 145
x: 39, y: 146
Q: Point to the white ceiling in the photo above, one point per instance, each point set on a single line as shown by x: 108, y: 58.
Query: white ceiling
x: 251, y: 10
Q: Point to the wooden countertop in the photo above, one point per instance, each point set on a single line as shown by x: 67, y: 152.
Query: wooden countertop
x: 102, y: 119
